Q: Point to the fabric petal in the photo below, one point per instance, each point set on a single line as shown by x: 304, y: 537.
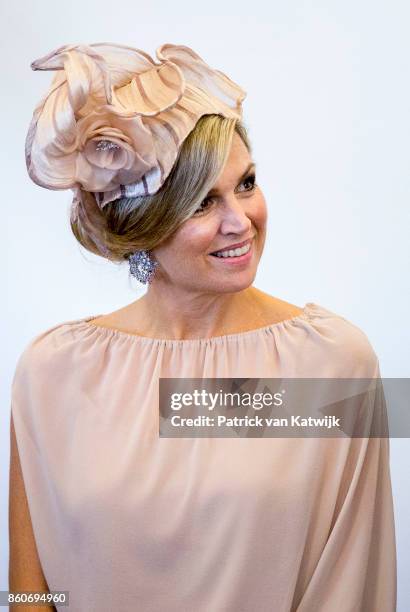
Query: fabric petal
x: 85, y: 71
x: 151, y: 92
x: 198, y: 73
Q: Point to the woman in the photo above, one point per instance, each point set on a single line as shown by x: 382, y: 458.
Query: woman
x: 164, y: 177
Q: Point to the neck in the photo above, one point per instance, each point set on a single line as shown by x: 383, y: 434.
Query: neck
x: 183, y: 315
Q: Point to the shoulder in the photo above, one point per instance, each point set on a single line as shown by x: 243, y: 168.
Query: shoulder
x: 271, y: 308
x: 45, y: 350
x: 345, y: 344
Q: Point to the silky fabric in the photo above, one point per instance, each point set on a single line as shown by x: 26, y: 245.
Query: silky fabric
x: 119, y: 97
x: 128, y: 521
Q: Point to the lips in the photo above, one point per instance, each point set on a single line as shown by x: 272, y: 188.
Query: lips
x: 231, y: 247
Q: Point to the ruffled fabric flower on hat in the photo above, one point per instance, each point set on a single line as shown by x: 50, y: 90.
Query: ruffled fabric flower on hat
x: 114, y: 119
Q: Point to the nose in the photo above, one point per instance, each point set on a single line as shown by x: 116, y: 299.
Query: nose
x: 234, y: 218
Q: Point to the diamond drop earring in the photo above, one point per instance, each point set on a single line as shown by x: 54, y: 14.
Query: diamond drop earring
x: 142, y: 266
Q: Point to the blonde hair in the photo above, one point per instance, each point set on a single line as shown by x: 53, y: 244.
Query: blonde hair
x: 143, y: 222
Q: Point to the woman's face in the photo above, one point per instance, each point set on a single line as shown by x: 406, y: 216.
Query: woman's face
x: 233, y: 212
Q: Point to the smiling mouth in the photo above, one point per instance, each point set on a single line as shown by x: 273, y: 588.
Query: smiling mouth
x: 243, y: 257
x: 231, y: 252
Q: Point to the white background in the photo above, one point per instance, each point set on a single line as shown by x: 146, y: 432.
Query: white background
x: 328, y: 113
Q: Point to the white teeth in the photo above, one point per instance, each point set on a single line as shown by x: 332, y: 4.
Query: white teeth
x: 234, y: 252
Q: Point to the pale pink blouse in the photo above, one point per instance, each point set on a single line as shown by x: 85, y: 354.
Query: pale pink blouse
x: 127, y: 521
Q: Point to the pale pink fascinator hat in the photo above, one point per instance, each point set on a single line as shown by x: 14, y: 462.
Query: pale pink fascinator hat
x: 113, y: 120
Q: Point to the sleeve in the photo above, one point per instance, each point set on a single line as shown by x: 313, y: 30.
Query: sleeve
x: 24, y: 387
x: 356, y: 571
x: 29, y: 396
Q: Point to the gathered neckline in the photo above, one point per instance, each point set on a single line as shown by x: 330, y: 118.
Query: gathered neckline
x: 86, y: 322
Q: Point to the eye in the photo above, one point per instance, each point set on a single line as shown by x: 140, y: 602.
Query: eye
x: 203, y: 206
x: 250, y: 179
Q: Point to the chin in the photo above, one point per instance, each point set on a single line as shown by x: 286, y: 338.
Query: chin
x: 233, y: 283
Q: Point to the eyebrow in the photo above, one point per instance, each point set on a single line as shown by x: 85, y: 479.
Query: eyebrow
x: 252, y: 166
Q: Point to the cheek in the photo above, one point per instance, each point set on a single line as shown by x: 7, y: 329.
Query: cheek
x: 191, y: 240
x: 196, y: 238
x: 260, y: 212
